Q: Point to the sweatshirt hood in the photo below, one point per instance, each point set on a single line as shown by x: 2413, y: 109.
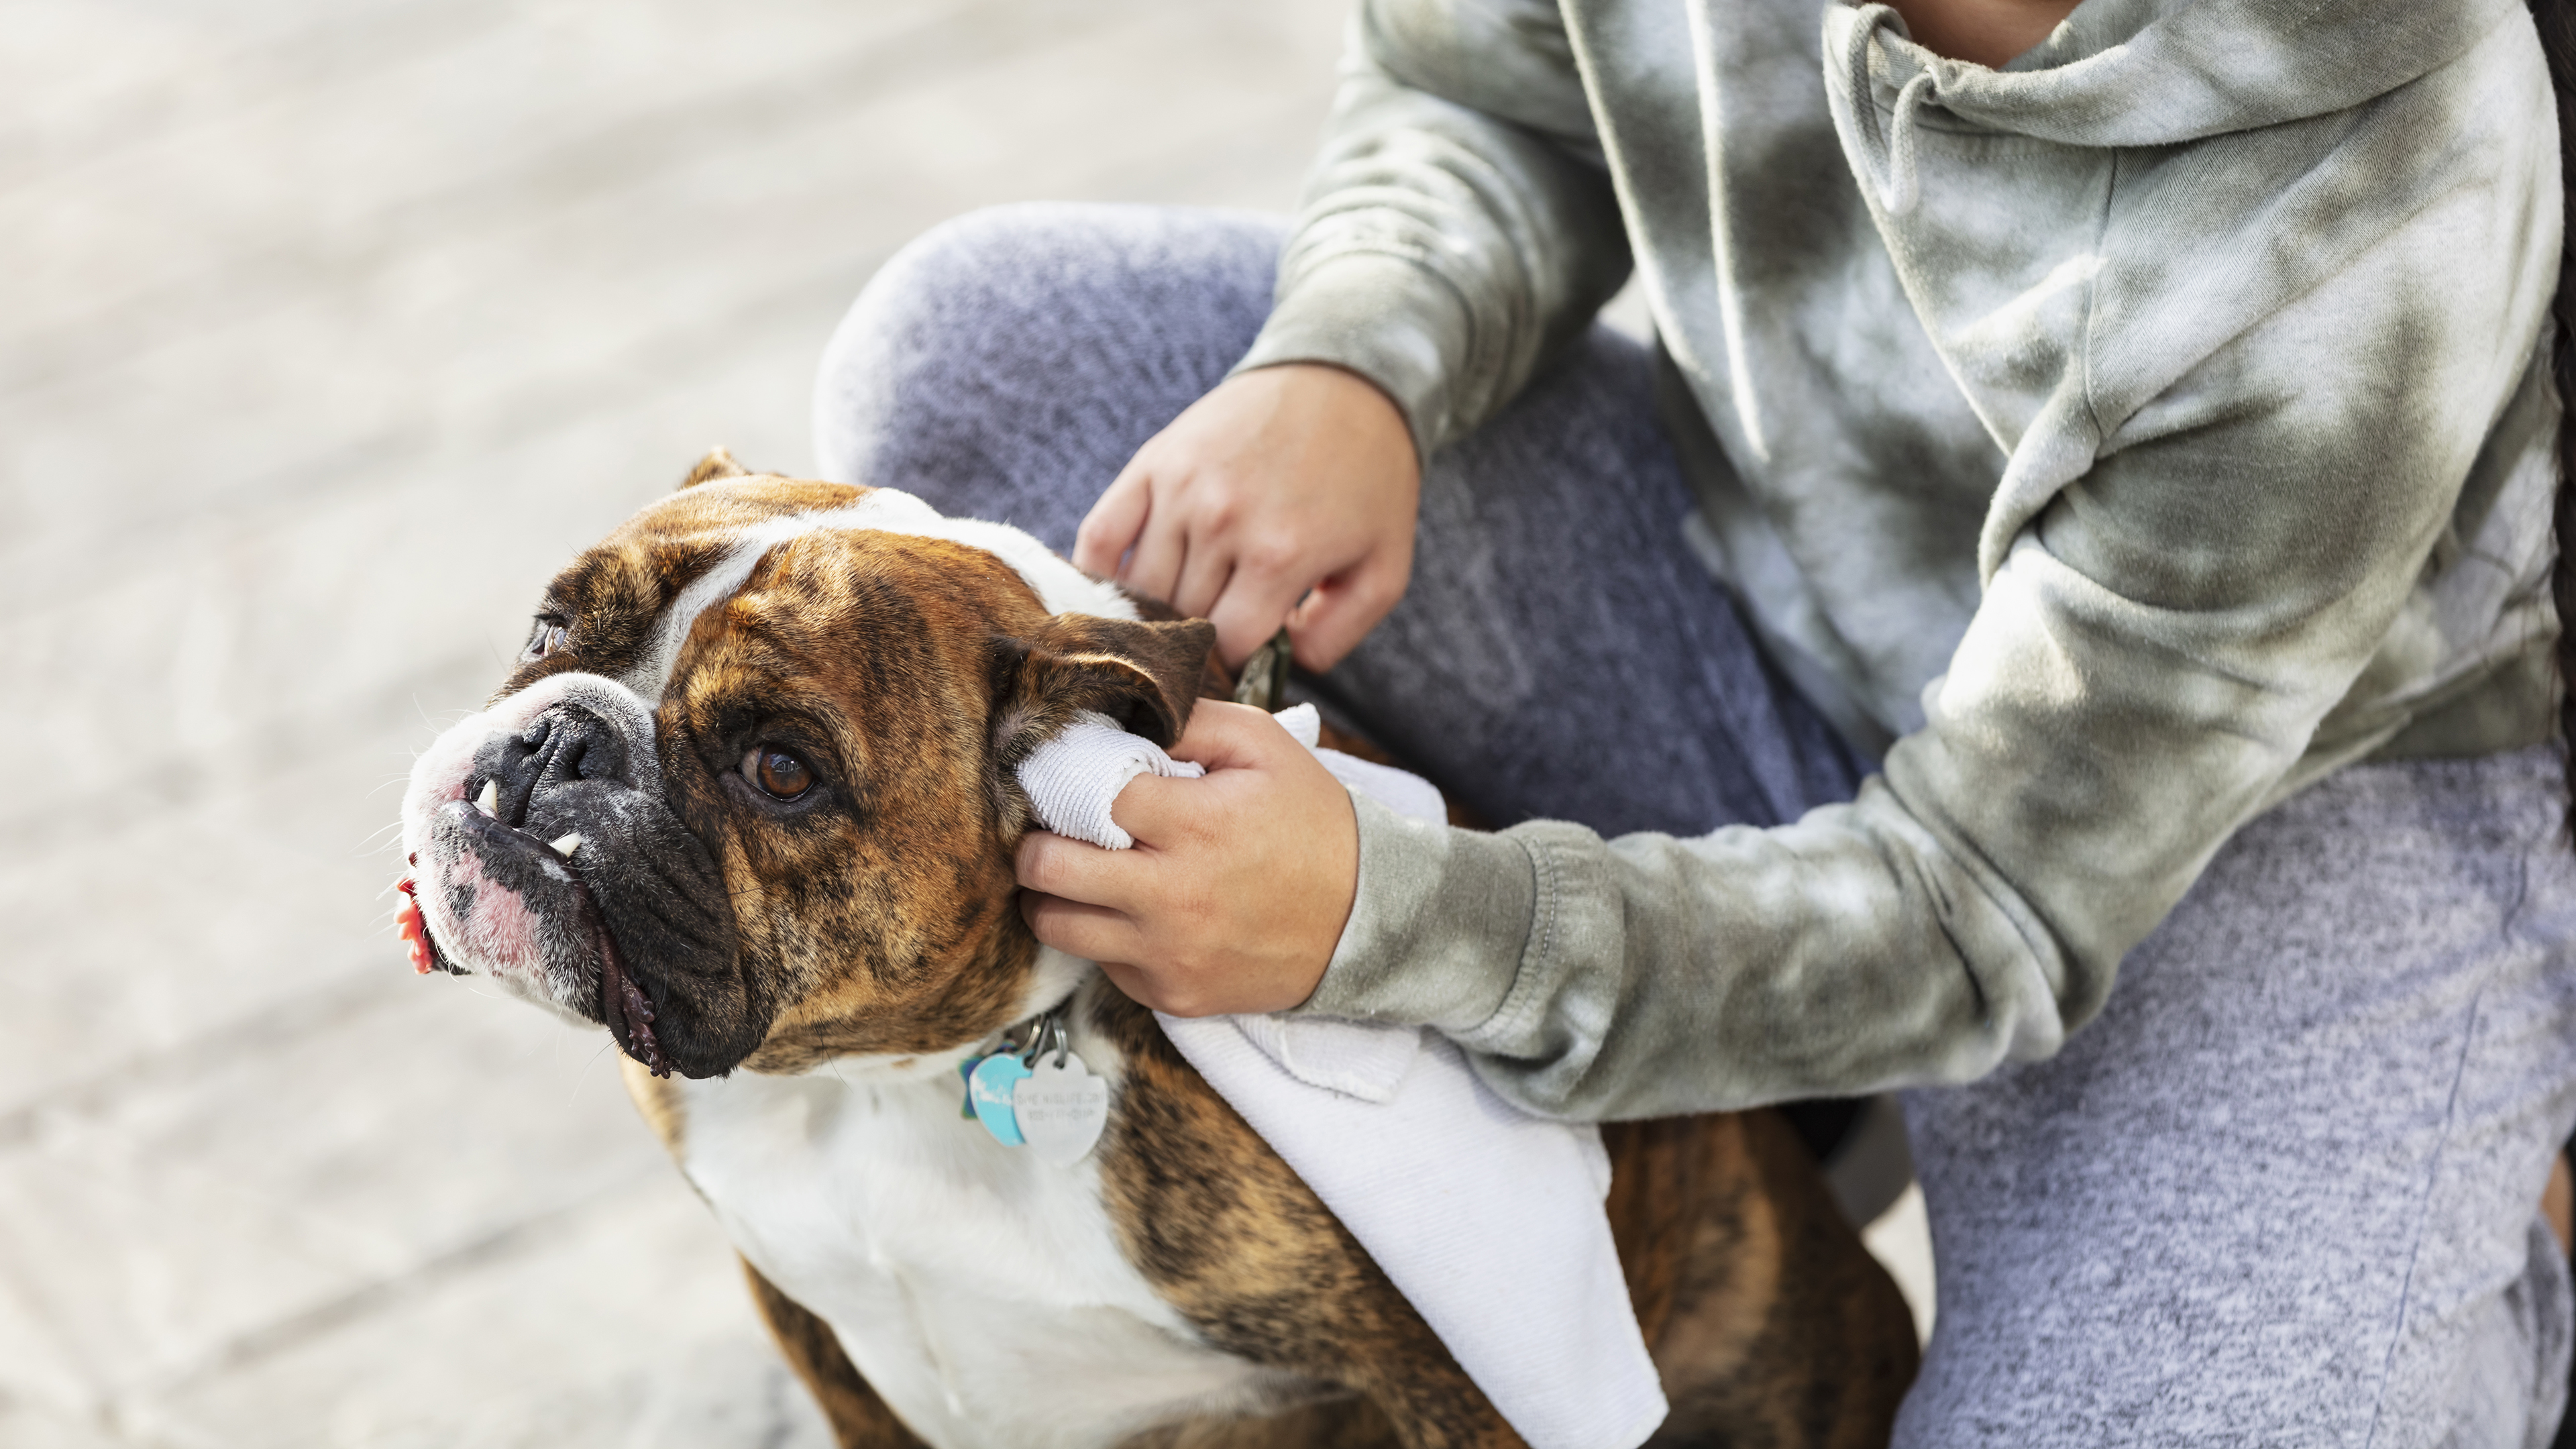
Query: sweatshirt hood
x: 2154, y: 72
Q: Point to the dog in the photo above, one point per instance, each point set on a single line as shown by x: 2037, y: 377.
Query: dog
x: 747, y: 801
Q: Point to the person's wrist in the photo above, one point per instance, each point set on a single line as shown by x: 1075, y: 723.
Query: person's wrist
x: 1439, y: 922
x: 1375, y: 414
x: 1362, y: 408
x: 1382, y: 317
x: 1341, y: 897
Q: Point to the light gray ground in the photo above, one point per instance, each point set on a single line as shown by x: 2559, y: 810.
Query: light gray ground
x: 327, y: 331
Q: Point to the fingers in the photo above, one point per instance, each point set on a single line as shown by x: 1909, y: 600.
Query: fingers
x: 1251, y: 610
x: 1154, y: 568
x: 1113, y: 523
x: 1077, y: 871
x: 1138, y: 986
x: 1158, y: 812
x: 1164, y: 812
x: 1171, y: 998
x: 1225, y: 736
x: 1343, y: 609
x: 1094, y: 933
x: 1206, y: 566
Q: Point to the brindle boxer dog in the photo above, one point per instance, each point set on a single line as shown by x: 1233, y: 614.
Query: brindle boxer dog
x: 748, y: 801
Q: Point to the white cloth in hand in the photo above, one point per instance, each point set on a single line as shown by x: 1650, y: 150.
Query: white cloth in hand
x: 1487, y: 1219
x: 1073, y: 778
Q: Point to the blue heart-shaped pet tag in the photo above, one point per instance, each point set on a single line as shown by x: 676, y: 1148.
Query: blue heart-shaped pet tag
x: 990, y: 1088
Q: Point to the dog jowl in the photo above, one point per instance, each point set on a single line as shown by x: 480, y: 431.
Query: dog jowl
x: 557, y: 826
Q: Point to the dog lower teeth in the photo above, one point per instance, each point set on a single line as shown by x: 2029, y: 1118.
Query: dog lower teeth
x: 489, y: 802
x: 567, y: 845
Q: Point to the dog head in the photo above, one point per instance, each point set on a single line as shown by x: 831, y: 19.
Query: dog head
x: 747, y: 797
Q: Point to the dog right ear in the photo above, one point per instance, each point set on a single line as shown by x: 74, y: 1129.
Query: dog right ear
x: 1143, y: 675
x: 716, y: 464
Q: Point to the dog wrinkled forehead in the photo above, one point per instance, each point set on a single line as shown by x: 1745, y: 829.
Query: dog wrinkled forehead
x: 698, y: 548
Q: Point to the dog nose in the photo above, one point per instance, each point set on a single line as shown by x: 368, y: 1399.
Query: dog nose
x: 564, y: 746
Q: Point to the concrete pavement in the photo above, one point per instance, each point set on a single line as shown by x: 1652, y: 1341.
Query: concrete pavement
x: 327, y: 331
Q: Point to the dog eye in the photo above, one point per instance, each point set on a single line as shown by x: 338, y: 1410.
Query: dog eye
x: 780, y: 775
x: 544, y: 638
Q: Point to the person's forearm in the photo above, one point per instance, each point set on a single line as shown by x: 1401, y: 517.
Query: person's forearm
x: 1453, y: 229
x: 1648, y: 975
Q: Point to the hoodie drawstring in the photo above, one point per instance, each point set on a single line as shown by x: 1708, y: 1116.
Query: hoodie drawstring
x: 1889, y: 154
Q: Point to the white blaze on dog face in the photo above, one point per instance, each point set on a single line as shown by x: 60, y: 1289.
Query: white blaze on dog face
x: 774, y: 716
x: 1060, y: 587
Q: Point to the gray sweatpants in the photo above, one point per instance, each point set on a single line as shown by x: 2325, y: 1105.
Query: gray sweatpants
x: 2282, y: 1192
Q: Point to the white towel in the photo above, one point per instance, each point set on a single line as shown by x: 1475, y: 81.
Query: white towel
x: 1489, y: 1220
x: 1072, y: 778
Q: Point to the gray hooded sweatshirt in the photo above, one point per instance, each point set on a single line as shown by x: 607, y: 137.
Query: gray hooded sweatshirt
x: 2119, y: 440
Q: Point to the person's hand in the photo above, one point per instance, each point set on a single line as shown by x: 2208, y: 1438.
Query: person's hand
x: 1237, y: 888
x: 1282, y: 480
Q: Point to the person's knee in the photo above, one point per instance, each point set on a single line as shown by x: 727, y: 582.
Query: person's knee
x: 941, y: 309
x: 973, y: 271
x: 1018, y: 343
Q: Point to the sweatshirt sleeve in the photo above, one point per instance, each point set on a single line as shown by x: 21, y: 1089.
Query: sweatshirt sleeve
x: 1460, y: 220
x: 2157, y: 656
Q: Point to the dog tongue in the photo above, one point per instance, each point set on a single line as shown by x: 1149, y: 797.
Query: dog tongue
x: 629, y: 1015
x: 414, y: 930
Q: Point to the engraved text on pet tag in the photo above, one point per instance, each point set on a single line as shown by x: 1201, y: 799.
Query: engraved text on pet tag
x: 1061, y: 1108
x: 989, y: 1088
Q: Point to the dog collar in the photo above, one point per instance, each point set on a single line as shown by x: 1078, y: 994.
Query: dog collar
x: 1036, y: 1093
x: 1264, y: 684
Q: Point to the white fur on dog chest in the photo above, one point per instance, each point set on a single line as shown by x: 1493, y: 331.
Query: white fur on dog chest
x: 978, y: 1290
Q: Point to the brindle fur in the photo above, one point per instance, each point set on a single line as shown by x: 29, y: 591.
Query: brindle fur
x: 859, y: 1419
x: 1228, y: 1234
x: 886, y: 916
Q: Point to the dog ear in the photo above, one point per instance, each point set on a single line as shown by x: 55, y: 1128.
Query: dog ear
x: 716, y: 464
x: 1143, y: 675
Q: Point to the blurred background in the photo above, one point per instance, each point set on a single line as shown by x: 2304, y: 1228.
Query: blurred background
x: 328, y: 331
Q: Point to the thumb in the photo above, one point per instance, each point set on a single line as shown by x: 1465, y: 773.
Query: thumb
x: 1344, y: 608
x: 1113, y: 523
x: 1225, y: 736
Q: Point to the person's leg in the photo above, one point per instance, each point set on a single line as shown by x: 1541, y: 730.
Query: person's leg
x: 1560, y: 652
x: 2284, y: 1190
x: 1006, y: 364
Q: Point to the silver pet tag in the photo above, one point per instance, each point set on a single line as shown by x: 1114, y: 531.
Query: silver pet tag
x: 1061, y: 1108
